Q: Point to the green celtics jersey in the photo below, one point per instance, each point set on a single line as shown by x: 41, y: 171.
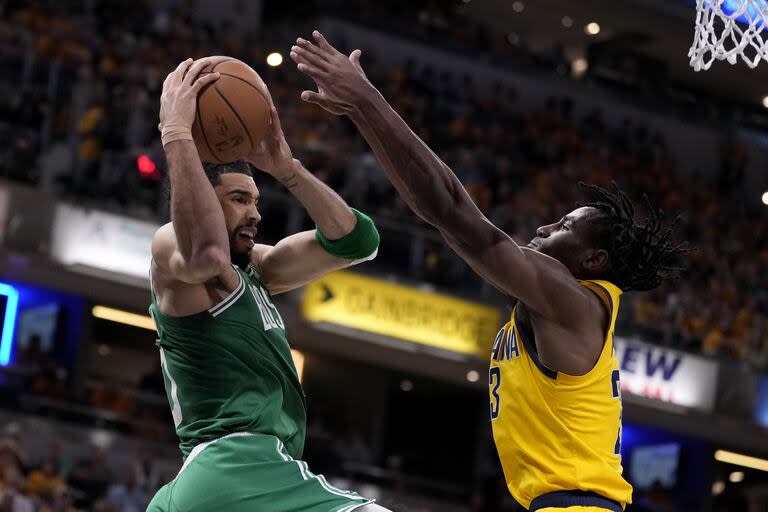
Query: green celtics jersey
x: 229, y: 369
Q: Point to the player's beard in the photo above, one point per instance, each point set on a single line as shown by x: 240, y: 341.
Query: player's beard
x: 240, y: 250
x: 240, y: 247
x: 241, y: 259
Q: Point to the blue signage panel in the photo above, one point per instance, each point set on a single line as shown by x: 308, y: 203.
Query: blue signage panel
x: 9, y: 303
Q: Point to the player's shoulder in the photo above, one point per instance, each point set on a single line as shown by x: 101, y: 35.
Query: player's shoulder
x: 607, y: 292
x: 163, y: 243
x: 163, y: 246
x: 258, y: 254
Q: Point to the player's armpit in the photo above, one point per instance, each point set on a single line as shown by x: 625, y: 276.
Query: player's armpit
x: 294, y: 261
x: 202, y: 267
x: 544, y: 284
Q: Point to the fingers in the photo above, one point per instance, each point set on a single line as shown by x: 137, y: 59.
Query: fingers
x: 322, y: 101
x: 205, y: 80
x: 277, y: 127
x: 301, y: 55
x: 194, y: 71
x: 354, y: 58
x: 312, y: 97
x: 177, y: 74
x: 311, y: 48
x: 322, y: 42
x: 309, y: 69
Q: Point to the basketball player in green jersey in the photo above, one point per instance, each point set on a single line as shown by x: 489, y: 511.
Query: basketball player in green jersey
x: 236, y: 401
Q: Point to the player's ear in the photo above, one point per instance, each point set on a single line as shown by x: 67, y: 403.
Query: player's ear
x: 597, y: 261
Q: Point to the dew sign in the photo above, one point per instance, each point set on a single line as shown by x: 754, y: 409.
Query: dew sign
x: 664, y: 374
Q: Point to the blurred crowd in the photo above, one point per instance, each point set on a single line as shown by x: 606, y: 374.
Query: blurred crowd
x: 57, y: 481
x: 87, y: 108
x: 42, y: 473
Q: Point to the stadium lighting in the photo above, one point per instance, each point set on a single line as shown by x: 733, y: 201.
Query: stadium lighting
x: 592, y: 28
x: 736, y: 477
x: 718, y: 488
x: 765, y: 101
x: 579, y: 66
x: 765, y: 198
x: 741, y: 460
x: 567, y: 21
x: 274, y: 59
x: 123, y: 317
x: 9, y: 322
x: 473, y: 376
x: 518, y: 6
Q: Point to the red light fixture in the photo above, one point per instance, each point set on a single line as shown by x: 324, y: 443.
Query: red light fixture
x: 146, y: 166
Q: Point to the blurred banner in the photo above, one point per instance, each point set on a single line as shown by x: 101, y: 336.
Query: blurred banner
x: 102, y: 240
x: 663, y: 374
x: 403, y: 312
x: 26, y: 217
x: 761, y: 407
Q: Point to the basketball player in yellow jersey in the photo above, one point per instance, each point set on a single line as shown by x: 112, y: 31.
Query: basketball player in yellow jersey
x: 554, y: 382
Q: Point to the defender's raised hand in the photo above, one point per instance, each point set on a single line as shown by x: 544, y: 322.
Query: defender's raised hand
x: 341, y: 82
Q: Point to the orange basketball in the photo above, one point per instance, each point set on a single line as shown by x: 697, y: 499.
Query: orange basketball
x: 232, y: 113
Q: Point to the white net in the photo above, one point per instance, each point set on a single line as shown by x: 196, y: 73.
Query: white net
x: 727, y: 30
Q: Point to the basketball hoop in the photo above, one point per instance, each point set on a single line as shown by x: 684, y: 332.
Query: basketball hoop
x: 727, y: 30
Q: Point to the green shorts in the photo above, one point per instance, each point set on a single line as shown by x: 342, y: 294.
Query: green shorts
x: 245, y: 472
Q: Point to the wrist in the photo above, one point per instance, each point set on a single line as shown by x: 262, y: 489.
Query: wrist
x: 359, y: 244
x: 365, y: 102
x: 173, y: 132
x: 288, y: 175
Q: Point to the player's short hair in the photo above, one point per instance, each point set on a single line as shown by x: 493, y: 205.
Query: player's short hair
x: 214, y: 171
x: 641, y: 255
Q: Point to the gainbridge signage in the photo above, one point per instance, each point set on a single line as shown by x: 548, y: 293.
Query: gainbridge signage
x: 663, y: 374
x: 375, y: 306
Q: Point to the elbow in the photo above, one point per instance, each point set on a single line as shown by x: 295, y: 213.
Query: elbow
x: 209, y: 262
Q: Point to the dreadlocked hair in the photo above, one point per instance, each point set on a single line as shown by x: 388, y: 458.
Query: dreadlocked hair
x: 641, y: 255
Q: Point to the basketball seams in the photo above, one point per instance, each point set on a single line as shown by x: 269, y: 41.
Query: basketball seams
x: 202, y: 128
x: 221, y: 100
x: 222, y: 62
x: 237, y: 115
x: 249, y: 85
x: 237, y: 77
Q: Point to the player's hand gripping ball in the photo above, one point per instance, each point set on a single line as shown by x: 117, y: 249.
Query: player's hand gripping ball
x: 233, y: 113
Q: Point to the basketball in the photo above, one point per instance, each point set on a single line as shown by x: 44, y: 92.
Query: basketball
x: 232, y: 113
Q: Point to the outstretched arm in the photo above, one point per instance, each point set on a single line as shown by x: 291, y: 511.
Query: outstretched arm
x: 195, y: 247
x: 433, y: 191
x: 303, y: 257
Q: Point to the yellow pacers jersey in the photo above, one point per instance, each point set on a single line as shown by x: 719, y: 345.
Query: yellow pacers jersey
x: 553, y: 431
